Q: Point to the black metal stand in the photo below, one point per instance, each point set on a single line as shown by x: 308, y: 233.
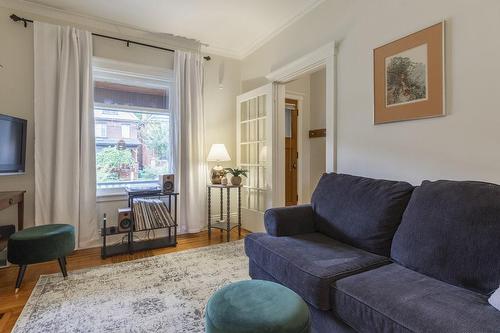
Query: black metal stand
x: 222, y: 225
x: 132, y: 246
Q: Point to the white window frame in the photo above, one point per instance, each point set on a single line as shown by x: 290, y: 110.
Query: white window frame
x: 125, y: 131
x: 103, y: 133
x: 141, y: 75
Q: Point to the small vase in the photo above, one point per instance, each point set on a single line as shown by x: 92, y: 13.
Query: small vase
x: 223, y: 181
x: 216, y: 175
x: 236, y: 180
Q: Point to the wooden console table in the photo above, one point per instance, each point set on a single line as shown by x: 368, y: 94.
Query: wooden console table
x: 12, y: 198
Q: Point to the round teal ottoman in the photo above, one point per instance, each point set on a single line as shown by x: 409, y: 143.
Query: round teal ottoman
x: 256, y: 306
x: 40, y: 244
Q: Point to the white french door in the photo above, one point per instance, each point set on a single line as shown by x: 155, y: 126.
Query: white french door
x: 256, y: 141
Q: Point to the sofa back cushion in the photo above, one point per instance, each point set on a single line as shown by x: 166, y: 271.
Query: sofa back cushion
x: 359, y: 211
x: 451, y: 231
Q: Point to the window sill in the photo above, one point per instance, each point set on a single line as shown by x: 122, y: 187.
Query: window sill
x: 119, y: 195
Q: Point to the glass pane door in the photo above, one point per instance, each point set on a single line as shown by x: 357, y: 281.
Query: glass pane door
x: 253, y: 126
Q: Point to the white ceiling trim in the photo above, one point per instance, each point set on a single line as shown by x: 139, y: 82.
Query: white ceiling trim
x: 262, y: 40
x: 220, y: 51
x: 98, y: 24
x: 175, y: 41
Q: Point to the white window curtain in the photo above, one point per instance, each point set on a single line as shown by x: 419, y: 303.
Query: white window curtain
x: 190, y: 156
x: 65, y: 178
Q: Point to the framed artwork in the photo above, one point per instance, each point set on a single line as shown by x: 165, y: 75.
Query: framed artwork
x: 409, y: 77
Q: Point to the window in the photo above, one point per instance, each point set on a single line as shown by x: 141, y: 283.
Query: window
x: 100, y: 130
x: 126, y: 131
x: 132, y: 122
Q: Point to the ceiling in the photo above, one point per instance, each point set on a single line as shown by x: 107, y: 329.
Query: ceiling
x: 233, y: 28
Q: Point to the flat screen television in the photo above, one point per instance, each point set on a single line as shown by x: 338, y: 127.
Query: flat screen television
x: 12, y: 145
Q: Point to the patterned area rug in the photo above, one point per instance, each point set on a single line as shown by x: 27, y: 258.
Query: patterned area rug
x: 165, y: 293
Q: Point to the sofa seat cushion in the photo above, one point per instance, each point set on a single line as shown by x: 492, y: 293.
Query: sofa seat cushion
x: 393, y: 298
x: 321, y: 321
x: 308, y: 263
x: 362, y: 212
x: 451, y: 231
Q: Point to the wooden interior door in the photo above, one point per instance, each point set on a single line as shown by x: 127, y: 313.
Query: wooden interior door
x: 291, y: 153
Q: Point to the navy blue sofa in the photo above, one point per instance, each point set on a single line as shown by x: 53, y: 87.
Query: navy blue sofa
x: 383, y: 256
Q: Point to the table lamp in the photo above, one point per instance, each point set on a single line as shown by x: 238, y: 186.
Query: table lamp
x: 218, y: 153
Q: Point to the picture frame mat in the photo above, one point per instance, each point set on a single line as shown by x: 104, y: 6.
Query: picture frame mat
x: 434, y: 106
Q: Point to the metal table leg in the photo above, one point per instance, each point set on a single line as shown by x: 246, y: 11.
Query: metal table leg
x: 239, y: 212
x: 228, y: 213
x: 209, y: 213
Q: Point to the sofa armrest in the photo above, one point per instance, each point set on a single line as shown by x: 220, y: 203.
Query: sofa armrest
x: 289, y: 221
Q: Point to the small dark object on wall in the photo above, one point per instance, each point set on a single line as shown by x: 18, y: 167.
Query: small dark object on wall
x: 317, y: 133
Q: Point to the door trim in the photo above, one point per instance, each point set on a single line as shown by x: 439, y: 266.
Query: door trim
x: 323, y: 57
x: 302, y: 147
x: 292, y: 155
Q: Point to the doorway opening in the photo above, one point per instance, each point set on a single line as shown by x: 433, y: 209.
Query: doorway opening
x: 265, y: 185
x: 305, y: 135
x: 291, y: 151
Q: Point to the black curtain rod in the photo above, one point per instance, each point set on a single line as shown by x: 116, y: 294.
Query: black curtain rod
x: 25, y: 21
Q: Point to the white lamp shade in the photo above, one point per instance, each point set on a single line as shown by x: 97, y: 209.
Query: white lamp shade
x: 218, y: 153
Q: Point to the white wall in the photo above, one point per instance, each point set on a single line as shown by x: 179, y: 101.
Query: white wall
x: 462, y: 145
x: 220, y: 104
x: 317, y: 120
x: 220, y: 115
x: 16, y: 99
x: 16, y: 88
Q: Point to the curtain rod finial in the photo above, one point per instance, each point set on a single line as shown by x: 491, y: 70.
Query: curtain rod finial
x: 16, y: 18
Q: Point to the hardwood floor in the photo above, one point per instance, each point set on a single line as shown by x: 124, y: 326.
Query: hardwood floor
x: 12, y: 304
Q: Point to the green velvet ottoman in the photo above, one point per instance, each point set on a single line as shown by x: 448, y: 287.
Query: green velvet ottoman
x: 256, y: 306
x: 40, y: 244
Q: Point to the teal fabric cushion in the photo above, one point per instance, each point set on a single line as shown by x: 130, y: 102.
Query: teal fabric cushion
x: 41, y: 243
x: 256, y: 306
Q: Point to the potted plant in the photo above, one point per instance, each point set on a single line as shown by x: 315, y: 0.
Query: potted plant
x: 236, y: 175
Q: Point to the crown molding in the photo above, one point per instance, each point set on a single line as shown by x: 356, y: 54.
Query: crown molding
x: 178, y: 42
x: 220, y: 51
x: 303, y: 65
x: 259, y: 42
x: 100, y: 25
x: 244, y: 52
